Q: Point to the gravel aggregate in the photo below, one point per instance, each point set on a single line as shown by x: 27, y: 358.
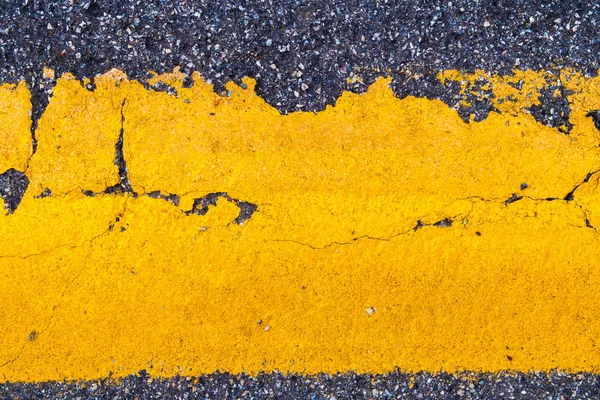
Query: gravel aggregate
x: 553, y: 386
x: 303, y: 53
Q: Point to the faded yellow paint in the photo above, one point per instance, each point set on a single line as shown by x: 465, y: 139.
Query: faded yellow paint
x: 342, y: 267
x: 15, y: 126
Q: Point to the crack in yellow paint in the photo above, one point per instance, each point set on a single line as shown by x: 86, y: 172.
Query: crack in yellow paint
x: 76, y: 137
x: 389, y: 233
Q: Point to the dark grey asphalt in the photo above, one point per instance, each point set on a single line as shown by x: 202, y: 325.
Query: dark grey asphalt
x: 302, y: 54
x: 555, y: 386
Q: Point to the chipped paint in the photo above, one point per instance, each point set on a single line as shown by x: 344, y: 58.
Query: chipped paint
x: 512, y: 93
x: 380, y: 233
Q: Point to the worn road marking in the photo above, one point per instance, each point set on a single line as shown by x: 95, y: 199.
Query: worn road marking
x: 15, y: 142
x: 378, y: 233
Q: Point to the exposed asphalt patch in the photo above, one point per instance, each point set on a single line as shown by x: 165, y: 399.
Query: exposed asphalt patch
x: 13, y: 185
x: 340, y: 386
x: 303, y: 54
x: 554, y: 108
x: 201, y: 206
x: 171, y: 198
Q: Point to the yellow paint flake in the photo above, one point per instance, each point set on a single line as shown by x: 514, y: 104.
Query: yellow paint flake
x: 388, y: 234
x: 585, y: 98
x: 513, y: 94
x: 48, y: 73
x: 173, y: 79
x: 15, y: 125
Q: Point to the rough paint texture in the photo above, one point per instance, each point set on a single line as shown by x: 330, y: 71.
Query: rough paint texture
x: 76, y: 137
x: 385, y: 233
x: 15, y: 137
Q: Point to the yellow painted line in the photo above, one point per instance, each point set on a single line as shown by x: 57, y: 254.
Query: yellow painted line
x: 15, y: 125
x: 382, y: 238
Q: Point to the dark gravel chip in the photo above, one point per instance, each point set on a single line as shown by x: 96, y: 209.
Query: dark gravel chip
x: 555, y: 385
x: 513, y: 198
x: 445, y: 223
